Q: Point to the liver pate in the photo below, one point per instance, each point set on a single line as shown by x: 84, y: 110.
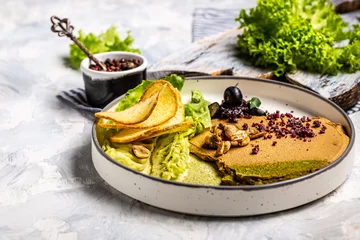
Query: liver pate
x: 288, y: 158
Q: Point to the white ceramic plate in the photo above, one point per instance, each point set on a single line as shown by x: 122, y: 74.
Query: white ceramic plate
x: 237, y: 200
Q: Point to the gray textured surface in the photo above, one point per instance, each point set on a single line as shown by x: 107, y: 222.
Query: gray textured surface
x: 48, y: 186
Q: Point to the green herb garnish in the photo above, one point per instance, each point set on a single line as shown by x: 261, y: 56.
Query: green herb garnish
x: 254, y: 102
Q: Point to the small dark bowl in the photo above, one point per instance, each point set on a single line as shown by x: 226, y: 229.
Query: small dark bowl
x: 103, y: 87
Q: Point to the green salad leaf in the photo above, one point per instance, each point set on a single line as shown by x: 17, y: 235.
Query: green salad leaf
x: 175, y: 80
x: 197, y: 110
x: 298, y: 34
x: 105, y: 42
x: 170, y: 157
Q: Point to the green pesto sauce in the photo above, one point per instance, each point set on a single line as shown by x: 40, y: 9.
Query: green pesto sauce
x: 203, y: 173
x: 280, y: 169
x: 268, y: 173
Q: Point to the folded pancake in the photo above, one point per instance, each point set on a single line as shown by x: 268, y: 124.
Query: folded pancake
x: 289, y: 157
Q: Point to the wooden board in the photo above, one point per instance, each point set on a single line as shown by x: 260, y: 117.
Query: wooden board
x: 218, y: 53
x: 213, y: 54
x: 343, y: 89
x: 343, y: 6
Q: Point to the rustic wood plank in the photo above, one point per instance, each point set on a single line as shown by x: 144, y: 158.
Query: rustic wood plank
x: 211, y: 55
x: 343, y: 6
x: 343, y: 89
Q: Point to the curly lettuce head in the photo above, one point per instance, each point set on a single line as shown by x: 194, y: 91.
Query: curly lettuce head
x: 291, y: 34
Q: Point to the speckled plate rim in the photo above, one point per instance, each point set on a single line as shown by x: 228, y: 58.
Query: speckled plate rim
x: 248, y: 187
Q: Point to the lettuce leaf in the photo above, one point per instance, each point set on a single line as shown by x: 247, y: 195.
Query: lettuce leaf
x: 298, y: 34
x: 175, y: 80
x: 197, y: 110
x: 105, y: 42
x: 170, y: 157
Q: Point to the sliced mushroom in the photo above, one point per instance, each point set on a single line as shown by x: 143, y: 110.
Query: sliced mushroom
x: 223, y: 148
x: 212, y: 141
x: 224, y: 136
x: 227, y: 146
x: 234, y: 134
x: 240, y: 135
x: 245, y: 141
x: 217, y: 130
x: 234, y: 143
x: 141, y: 151
x: 230, y: 131
x: 254, y: 133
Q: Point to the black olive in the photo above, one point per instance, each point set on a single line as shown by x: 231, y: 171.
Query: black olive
x: 257, y: 112
x: 214, y: 109
x: 233, y: 96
